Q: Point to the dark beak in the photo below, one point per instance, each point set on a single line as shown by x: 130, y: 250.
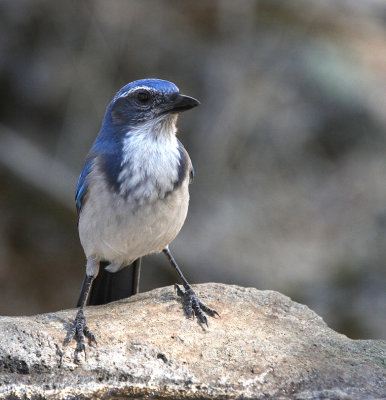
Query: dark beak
x: 181, y: 103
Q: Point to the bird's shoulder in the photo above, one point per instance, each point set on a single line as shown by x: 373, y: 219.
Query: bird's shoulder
x: 82, y: 186
x: 185, y: 168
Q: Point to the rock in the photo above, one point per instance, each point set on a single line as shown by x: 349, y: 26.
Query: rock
x: 264, y: 346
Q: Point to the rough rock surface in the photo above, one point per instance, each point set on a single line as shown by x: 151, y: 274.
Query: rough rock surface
x: 264, y: 346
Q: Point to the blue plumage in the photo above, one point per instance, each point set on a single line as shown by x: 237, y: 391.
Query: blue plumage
x: 81, y: 187
x: 158, y: 85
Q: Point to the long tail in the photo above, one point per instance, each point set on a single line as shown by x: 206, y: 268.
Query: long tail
x: 108, y: 286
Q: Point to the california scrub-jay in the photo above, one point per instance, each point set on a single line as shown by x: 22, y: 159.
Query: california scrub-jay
x: 132, y: 196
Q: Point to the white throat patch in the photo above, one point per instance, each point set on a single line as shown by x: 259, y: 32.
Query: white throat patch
x: 150, y: 160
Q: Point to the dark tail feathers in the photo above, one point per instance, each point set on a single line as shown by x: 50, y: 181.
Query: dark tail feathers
x: 108, y: 286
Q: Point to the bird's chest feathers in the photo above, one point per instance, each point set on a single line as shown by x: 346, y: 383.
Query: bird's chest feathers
x: 149, y: 168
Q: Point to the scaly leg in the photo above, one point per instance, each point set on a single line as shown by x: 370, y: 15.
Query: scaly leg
x: 192, y: 304
x: 80, y: 330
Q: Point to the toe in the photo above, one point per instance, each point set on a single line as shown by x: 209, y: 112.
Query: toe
x: 209, y: 310
x: 89, y: 335
x: 179, y: 291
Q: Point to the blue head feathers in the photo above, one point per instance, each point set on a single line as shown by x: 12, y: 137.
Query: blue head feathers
x: 155, y: 85
x: 144, y: 100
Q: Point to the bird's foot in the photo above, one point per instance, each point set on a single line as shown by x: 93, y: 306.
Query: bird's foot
x: 79, y: 331
x: 193, y: 306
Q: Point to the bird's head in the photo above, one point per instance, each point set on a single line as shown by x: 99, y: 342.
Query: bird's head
x: 147, y: 100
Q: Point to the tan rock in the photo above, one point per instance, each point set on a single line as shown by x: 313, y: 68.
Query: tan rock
x: 264, y: 346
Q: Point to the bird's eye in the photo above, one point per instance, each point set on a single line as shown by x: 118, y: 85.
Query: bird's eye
x: 143, y: 97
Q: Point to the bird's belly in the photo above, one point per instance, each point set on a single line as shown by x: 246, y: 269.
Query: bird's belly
x: 120, y: 233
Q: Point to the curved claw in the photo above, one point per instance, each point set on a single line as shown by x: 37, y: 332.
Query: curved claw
x: 212, y: 312
x: 193, y: 307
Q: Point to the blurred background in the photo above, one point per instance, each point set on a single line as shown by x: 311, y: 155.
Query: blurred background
x: 288, y: 145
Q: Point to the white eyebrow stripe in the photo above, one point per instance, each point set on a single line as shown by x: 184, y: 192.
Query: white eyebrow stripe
x: 128, y: 92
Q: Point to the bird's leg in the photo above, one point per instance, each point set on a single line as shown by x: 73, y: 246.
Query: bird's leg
x: 80, y: 330
x: 192, y: 304
x: 136, y: 275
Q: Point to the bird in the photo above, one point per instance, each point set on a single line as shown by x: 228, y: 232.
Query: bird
x: 132, y: 198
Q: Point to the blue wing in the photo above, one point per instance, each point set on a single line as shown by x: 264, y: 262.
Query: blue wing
x: 81, y: 188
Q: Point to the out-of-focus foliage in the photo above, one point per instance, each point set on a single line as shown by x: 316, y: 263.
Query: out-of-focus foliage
x: 289, y: 144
